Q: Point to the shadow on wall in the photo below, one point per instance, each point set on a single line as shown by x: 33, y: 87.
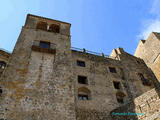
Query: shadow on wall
x: 146, y: 106
x: 126, y: 112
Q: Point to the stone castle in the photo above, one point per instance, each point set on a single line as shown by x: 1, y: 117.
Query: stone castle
x: 44, y: 78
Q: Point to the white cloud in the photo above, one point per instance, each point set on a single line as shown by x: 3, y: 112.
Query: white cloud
x: 155, y: 7
x: 151, y: 25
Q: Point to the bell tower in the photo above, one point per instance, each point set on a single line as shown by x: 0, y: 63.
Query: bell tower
x: 38, y: 81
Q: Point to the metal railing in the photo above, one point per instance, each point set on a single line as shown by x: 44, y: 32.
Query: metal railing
x: 90, y: 52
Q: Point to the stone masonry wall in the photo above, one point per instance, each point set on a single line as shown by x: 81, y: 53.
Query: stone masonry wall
x: 100, y: 83
x: 37, y: 85
x: 44, y: 86
x: 149, y: 51
x: 144, y: 107
x: 131, y: 67
x: 4, y: 57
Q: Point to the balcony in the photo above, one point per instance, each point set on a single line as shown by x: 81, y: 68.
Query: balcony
x: 45, y: 47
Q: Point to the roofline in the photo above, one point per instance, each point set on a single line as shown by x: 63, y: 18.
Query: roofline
x: 47, y: 18
x: 143, y: 41
x: 156, y: 32
x: 6, y: 51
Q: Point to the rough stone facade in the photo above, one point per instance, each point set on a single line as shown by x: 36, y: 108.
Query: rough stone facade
x: 100, y: 81
x: 39, y: 85
x: 46, y: 79
x: 4, y: 58
x: 149, y: 51
x: 146, y: 107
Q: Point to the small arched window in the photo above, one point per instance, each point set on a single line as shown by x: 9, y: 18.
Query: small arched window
x: 54, y: 28
x: 84, y: 93
x: 2, y: 64
x: 42, y: 25
x: 120, y: 97
x: 144, y: 80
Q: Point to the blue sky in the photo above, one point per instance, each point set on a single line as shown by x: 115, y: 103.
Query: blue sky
x: 97, y: 25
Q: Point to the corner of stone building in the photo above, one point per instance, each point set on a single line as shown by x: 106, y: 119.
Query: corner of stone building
x: 34, y: 89
x: 114, y: 53
x: 139, y: 47
x: 120, y: 50
x: 152, y: 37
x: 117, y: 51
x: 157, y: 34
x: 152, y: 34
x: 142, y: 42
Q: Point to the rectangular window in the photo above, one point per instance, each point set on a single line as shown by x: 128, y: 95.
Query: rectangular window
x: 82, y: 97
x: 81, y: 63
x: 112, y: 69
x: 116, y: 85
x: 44, y: 44
x: 82, y: 79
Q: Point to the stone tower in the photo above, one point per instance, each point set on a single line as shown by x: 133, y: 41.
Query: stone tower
x: 149, y: 51
x: 38, y: 81
x: 45, y: 79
